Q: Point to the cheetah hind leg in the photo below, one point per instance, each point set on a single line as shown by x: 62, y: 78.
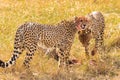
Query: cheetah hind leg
x: 28, y: 74
x: 98, y: 45
x: 28, y: 57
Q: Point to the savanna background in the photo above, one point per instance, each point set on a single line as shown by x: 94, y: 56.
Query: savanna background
x: 13, y: 13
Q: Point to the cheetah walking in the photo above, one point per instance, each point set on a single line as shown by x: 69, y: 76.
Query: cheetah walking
x: 59, y: 37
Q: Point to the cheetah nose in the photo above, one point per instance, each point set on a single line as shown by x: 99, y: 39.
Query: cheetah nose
x: 83, y: 26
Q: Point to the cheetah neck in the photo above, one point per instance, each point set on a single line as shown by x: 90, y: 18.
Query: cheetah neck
x: 70, y: 29
x: 69, y: 26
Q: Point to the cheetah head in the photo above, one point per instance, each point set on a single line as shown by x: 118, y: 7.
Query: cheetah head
x: 82, y: 23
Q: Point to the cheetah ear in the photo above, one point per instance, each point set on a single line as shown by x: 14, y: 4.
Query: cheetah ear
x: 90, y: 17
x: 76, y: 18
x: 89, y: 20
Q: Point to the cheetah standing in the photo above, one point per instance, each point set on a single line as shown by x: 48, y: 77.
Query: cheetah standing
x: 96, y: 31
x: 30, y: 36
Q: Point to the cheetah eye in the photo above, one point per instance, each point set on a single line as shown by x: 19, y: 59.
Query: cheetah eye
x: 81, y: 20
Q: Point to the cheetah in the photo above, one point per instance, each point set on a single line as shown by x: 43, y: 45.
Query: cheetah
x: 30, y: 36
x: 96, y: 31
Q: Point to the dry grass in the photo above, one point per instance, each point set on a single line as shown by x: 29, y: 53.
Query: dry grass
x: 15, y: 12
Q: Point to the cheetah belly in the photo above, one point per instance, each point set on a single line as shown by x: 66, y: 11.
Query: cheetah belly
x: 45, y: 48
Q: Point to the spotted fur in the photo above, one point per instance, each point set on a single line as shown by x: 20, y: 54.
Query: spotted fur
x: 30, y: 36
x: 96, y: 31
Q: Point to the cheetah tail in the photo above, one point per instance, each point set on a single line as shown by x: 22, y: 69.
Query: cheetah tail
x: 12, y: 60
x: 18, y: 48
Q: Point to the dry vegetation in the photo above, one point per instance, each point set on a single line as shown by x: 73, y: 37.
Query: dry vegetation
x: 15, y: 12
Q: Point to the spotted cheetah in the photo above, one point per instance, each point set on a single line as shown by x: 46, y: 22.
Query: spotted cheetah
x: 30, y: 36
x: 96, y: 31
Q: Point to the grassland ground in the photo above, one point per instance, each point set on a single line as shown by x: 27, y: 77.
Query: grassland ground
x: 16, y: 12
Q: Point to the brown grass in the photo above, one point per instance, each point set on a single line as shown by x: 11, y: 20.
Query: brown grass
x: 15, y: 12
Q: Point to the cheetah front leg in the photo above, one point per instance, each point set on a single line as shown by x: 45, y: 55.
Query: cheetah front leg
x: 84, y: 38
x: 87, y: 51
x: 63, y: 59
